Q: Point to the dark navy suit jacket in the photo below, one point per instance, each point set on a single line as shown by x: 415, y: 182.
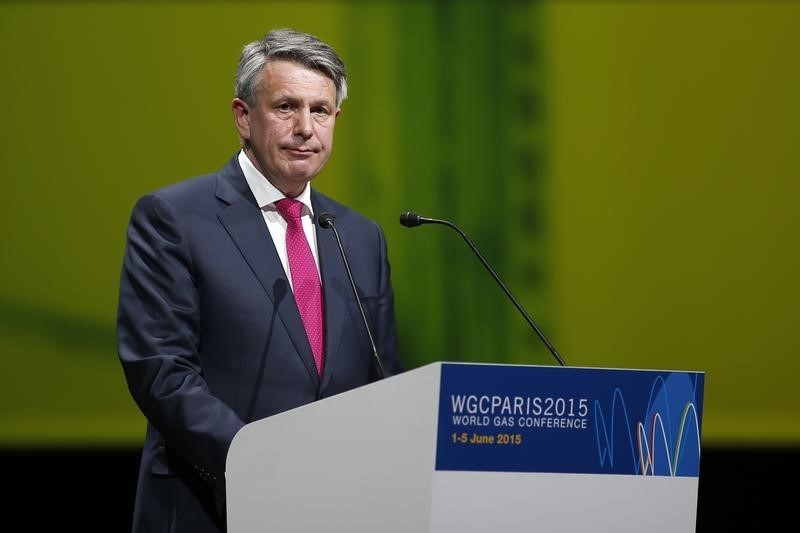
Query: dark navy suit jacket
x: 210, y: 337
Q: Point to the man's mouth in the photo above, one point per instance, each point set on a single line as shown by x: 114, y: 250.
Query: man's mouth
x: 300, y: 151
x: 301, y: 148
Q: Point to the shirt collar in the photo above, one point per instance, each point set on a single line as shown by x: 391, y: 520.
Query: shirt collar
x: 266, y: 193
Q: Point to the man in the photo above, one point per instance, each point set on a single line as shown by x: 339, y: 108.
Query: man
x: 234, y: 304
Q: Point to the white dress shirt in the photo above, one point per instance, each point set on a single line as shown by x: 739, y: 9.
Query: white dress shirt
x: 266, y: 195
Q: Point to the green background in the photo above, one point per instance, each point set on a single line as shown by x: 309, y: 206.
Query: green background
x: 629, y: 168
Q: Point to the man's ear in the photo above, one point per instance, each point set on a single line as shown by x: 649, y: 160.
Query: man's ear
x: 241, y: 117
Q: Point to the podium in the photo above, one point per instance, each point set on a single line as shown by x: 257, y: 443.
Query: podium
x: 452, y: 447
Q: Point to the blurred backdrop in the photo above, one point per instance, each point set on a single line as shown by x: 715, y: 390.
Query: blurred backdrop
x: 629, y: 168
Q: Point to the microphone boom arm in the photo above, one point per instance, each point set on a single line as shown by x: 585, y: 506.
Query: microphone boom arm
x: 326, y: 221
x: 417, y: 220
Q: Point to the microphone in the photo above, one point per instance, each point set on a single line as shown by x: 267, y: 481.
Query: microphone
x: 410, y: 219
x: 326, y: 221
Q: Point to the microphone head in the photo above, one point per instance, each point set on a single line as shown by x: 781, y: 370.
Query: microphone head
x: 326, y: 220
x: 410, y: 219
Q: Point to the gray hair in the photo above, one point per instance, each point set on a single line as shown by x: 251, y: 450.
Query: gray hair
x: 289, y: 45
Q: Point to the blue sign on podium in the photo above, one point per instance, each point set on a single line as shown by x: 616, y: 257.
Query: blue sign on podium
x: 497, y: 418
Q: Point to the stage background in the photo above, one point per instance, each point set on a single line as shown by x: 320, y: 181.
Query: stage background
x: 629, y: 168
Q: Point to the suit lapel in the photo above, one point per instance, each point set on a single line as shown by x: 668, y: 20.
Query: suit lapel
x: 335, y: 285
x: 244, y: 222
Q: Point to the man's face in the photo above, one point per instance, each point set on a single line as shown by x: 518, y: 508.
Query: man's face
x: 290, y: 127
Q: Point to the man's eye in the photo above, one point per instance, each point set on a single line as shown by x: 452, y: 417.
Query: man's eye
x: 321, y: 111
x: 284, y: 107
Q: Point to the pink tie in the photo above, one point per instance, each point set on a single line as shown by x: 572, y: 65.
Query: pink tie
x: 305, y: 278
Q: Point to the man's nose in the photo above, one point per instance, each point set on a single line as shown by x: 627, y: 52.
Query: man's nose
x: 302, y: 124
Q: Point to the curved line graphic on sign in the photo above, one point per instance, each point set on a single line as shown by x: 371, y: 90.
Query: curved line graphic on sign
x: 660, y: 445
x: 608, y: 450
x: 647, y: 457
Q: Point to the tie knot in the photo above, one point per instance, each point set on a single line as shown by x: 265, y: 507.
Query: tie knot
x: 289, y: 208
